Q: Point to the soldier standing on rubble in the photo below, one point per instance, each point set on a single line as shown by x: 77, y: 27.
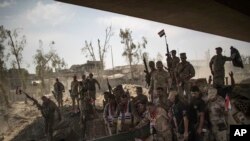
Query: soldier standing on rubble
x: 92, y: 88
x: 175, y: 62
x: 217, y: 68
x: 74, y: 93
x: 48, y: 110
x: 184, y: 72
x: 58, y: 92
x: 160, y: 78
x: 159, y: 123
x: 216, y: 109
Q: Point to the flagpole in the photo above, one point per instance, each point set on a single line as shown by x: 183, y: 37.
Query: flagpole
x: 166, y: 43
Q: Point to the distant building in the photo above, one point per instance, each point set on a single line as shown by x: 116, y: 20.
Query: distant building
x: 87, y: 67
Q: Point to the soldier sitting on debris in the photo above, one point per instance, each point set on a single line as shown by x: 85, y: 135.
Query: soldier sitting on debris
x: 109, y: 114
x: 217, y: 115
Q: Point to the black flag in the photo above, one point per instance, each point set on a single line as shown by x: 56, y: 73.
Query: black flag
x: 236, y: 58
x: 161, y: 33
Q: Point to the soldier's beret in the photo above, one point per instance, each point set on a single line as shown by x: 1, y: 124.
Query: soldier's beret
x: 182, y: 54
x: 173, y: 51
x: 218, y: 48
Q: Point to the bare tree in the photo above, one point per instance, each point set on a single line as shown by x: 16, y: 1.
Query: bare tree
x: 3, y: 69
x: 46, y: 62
x: 17, y: 43
x: 88, y: 49
x: 132, y: 51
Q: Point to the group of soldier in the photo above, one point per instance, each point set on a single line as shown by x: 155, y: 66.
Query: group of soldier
x: 176, y: 109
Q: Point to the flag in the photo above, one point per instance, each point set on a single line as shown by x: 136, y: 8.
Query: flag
x: 161, y: 33
x: 227, y: 103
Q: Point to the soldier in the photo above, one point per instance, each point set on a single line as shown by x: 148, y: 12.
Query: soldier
x: 159, y: 123
x: 124, y: 114
x: 118, y: 92
x: 58, y: 92
x: 109, y: 115
x: 196, y: 115
x: 137, y: 101
x: 151, y: 65
x: 217, y: 67
x: 83, y: 87
x: 140, y: 98
x: 48, y: 110
x: 216, y: 109
x: 160, y: 78
x: 180, y: 116
x: 175, y: 62
x: 161, y: 99
x: 92, y: 88
x: 184, y: 72
x: 74, y: 94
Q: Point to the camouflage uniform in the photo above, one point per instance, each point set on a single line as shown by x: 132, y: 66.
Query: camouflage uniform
x: 160, y: 123
x: 185, y: 71
x: 217, y: 118
x: 48, y: 110
x: 217, y: 63
x: 160, y: 79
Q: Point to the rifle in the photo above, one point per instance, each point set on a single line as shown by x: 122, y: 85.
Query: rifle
x: 35, y: 102
x: 146, y: 71
x: 109, y: 86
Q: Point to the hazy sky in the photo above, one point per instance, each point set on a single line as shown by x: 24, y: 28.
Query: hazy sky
x: 70, y: 25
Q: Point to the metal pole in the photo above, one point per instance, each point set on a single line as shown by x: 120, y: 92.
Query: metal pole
x: 166, y: 42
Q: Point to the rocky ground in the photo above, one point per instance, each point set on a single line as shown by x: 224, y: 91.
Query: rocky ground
x: 23, y: 122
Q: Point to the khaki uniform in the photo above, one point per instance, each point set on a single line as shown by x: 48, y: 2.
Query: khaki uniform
x: 160, y: 123
x: 74, y: 89
x: 217, y: 118
x: 175, y: 62
x: 185, y: 71
x: 217, y: 62
x: 160, y: 79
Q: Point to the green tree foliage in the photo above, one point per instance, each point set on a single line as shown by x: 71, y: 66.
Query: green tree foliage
x: 46, y: 62
x: 132, y: 52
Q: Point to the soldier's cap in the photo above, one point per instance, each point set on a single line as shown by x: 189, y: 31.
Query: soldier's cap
x: 91, y: 74
x: 183, y: 55
x: 139, y: 88
x: 212, y: 93
x: 173, y: 51
x: 218, y: 48
x: 118, y: 87
x: 195, y: 89
x: 151, y: 62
